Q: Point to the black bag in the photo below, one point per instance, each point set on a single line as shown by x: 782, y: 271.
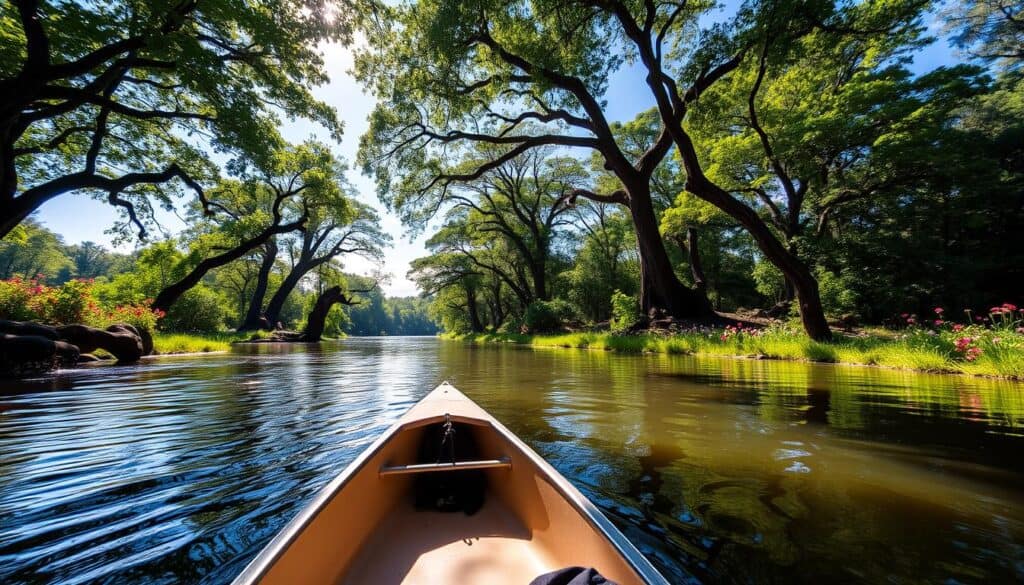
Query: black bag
x: 572, y: 576
x: 449, y: 491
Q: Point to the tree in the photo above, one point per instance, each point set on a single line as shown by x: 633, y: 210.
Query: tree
x: 451, y: 75
x: 988, y: 30
x: 260, y: 206
x: 454, y: 284
x: 870, y: 129
x: 108, y: 98
x: 679, y: 75
x: 92, y: 260
x: 338, y: 225
x: 604, y: 262
x: 523, y: 202
x: 254, y: 318
x: 32, y: 250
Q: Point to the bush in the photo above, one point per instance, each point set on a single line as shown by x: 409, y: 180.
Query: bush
x: 625, y: 312
x: 199, y: 309
x: 837, y: 294
x: 543, y: 316
x: 72, y: 302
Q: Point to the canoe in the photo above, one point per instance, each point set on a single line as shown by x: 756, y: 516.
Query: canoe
x: 447, y: 496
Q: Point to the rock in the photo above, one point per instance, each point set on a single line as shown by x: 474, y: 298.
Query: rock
x: 26, y: 355
x: 147, y: 341
x: 67, y: 354
x: 122, y: 341
x: 33, y: 329
x: 144, y: 335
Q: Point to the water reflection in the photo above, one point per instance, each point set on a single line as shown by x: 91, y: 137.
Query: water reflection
x: 719, y: 470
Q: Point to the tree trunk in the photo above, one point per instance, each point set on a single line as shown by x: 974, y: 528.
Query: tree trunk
x: 795, y: 270
x: 172, y: 293
x: 660, y: 290
x: 474, y: 313
x: 318, y: 316
x: 538, y: 271
x: 691, y: 247
x: 254, y: 318
x: 276, y: 304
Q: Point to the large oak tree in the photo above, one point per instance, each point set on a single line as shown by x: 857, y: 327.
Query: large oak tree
x: 452, y: 75
x: 123, y: 99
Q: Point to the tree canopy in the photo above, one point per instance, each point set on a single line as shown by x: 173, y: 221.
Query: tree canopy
x: 129, y: 100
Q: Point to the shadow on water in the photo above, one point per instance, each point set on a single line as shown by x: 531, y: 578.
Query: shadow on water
x: 180, y: 470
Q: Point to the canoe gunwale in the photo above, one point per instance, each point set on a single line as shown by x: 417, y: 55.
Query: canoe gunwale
x: 268, y: 556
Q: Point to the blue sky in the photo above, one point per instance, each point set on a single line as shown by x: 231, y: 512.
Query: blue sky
x: 79, y: 218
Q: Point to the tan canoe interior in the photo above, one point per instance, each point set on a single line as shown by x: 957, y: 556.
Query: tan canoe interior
x: 372, y: 532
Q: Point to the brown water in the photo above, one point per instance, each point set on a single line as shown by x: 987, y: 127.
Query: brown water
x: 718, y: 470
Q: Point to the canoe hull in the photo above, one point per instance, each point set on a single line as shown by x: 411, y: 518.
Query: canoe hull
x: 363, y: 527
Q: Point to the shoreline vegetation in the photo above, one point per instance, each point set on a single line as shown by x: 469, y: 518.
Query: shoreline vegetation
x: 915, y: 351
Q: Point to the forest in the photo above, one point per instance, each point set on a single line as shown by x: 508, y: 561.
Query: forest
x: 793, y: 165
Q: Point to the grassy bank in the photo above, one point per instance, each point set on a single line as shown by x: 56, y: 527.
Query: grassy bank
x: 172, y: 343
x: 997, y: 354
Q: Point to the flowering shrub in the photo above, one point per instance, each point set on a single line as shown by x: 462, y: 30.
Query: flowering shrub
x: 738, y: 331
x: 71, y: 302
x: 1000, y: 333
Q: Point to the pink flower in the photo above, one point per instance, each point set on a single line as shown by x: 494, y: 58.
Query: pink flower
x: 904, y: 315
x: 939, y: 310
x: 911, y: 321
x: 957, y: 327
x: 1020, y: 330
x: 939, y: 322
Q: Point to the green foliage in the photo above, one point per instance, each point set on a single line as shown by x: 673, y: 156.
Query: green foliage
x: 1000, y: 349
x: 769, y: 281
x: 837, y: 294
x: 625, y: 312
x: 145, y: 79
x: 172, y: 343
x: 74, y: 301
x: 199, y: 309
x: 33, y: 250
x: 989, y: 30
x: 546, y: 316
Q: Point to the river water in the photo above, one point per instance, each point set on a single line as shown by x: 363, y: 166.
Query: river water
x: 719, y: 470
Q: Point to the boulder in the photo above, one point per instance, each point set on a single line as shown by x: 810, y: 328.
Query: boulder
x: 33, y: 329
x: 27, y: 355
x: 121, y: 341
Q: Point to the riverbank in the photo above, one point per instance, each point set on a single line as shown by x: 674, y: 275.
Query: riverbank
x: 177, y: 343
x: 995, y: 354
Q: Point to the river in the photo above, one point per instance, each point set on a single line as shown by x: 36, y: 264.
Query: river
x: 719, y: 470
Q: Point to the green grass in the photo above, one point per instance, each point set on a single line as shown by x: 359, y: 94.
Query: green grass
x: 880, y: 348
x: 171, y: 343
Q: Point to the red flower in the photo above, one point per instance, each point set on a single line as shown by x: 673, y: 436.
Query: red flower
x: 1010, y: 307
x: 939, y: 322
x: 939, y: 310
x: 957, y: 327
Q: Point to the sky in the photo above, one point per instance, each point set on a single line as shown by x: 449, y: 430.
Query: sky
x: 79, y: 218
